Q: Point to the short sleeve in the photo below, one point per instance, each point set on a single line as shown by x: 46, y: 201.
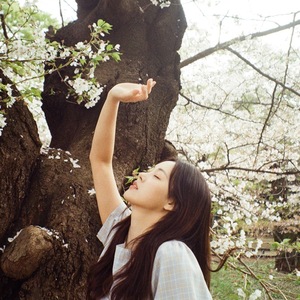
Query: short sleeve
x: 177, y: 274
x: 105, y: 234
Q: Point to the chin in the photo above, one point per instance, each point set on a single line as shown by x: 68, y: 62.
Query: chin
x: 126, y: 196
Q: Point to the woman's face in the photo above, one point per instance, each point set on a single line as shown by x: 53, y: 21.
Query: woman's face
x: 150, y: 190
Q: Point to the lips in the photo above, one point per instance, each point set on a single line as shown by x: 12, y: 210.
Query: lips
x: 134, y: 185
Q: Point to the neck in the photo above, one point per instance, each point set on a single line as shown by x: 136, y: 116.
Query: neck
x: 141, y: 222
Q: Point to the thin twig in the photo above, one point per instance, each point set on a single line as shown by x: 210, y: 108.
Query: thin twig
x: 61, y: 14
x: 254, y: 276
x: 212, y: 108
x: 261, y: 72
x: 265, y: 123
x: 289, y: 52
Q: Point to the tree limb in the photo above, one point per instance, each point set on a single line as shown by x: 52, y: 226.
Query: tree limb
x: 225, y: 45
x: 289, y: 52
x: 265, y: 123
x: 3, y: 25
x: 61, y: 14
x: 213, y: 108
x: 261, y: 72
x: 228, y: 168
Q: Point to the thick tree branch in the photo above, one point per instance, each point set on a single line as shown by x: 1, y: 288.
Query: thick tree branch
x: 261, y: 72
x: 225, y: 45
x: 228, y: 168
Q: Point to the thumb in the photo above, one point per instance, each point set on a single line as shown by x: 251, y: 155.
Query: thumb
x: 136, y: 92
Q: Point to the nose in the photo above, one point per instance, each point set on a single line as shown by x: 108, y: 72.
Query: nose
x: 142, y: 176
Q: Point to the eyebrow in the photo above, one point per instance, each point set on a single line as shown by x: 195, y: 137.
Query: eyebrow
x: 162, y: 170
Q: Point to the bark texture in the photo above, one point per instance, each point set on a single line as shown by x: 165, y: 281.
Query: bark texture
x: 46, y: 193
x: 149, y: 39
x: 19, y: 149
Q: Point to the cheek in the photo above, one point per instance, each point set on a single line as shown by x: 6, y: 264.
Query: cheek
x: 160, y: 194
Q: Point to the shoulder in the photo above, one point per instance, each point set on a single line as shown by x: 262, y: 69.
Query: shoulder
x: 177, y: 258
x: 176, y: 246
x: 105, y: 234
x: 177, y: 274
x: 174, y: 250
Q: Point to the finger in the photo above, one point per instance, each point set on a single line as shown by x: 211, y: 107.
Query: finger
x: 150, y: 84
x: 138, y: 94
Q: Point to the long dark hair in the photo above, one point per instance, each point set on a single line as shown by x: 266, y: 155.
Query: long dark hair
x: 188, y: 222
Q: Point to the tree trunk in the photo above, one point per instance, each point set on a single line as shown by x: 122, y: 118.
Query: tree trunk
x: 45, y: 196
x: 287, y: 260
x: 149, y: 39
x: 19, y: 150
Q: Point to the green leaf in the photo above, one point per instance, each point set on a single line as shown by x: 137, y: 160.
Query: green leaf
x: 18, y: 69
x: 286, y: 241
x: 109, y: 47
x: 116, y: 56
x: 275, y: 245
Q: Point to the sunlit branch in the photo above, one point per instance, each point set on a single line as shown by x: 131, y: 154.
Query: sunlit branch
x: 70, y: 7
x: 212, y: 108
x: 266, y: 122
x: 227, y: 167
x: 258, y: 170
x: 230, y: 251
x: 61, y: 14
x: 227, y: 155
x: 233, y: 200
x: 225, y: 45
x: 261, y: 72
x: 264, y: 286
x: 288, y: 53
x: 26, y: 19
x: 286, y: 67
x: 246, y: 270
x: 184, y: 153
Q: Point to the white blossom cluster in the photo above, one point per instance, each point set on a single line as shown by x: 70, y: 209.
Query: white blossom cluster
x: 26, y: 50
x: 85, y: 59
x: 161, y: 3
x: 253, y: 296
x: 242, y: 130
x: 50, y: 155
x: 2, y: 122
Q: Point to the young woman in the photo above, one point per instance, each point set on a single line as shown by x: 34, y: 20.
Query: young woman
x: 159, y: 248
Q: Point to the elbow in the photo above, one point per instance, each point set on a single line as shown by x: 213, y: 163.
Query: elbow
x: 93, y: 157
x: 97, y: 160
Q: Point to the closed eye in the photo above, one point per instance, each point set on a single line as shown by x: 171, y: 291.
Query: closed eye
x: 156, y: 177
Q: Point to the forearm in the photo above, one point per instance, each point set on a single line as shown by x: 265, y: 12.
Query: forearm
x: 104, y: 136
x: 103, y: 143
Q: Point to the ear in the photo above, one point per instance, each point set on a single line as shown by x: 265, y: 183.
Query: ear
x: 169, y: 206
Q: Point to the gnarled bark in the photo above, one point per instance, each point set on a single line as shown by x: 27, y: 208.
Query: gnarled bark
x: 149, y: 37
x: 19, y: 149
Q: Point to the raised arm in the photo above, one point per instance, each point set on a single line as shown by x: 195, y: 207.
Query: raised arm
x: 108, y: 197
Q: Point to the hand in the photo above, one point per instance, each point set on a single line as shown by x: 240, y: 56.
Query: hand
x: 131, y: 92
